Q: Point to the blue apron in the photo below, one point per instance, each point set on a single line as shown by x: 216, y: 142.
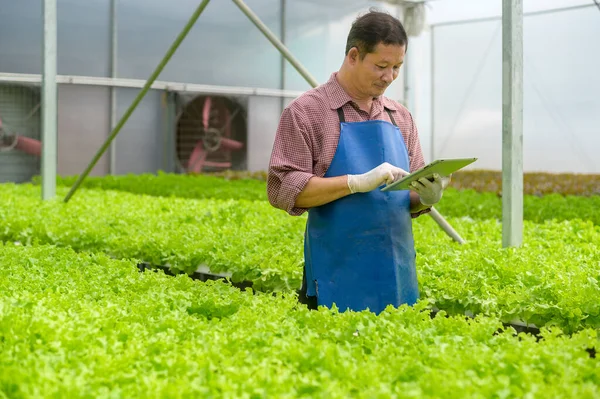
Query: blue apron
x: 359, y: 250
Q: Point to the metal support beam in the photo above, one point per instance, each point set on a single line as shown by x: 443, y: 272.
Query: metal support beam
x: 448, y: 229
x: 512, y: 122
x: 49, y: 102
x: 113, y: 90
x: 408, y: 89
x: 191, y: 88
x: 282, y: 22
x: 140, y: 96
x: 406, y: 76
x: 525, y: 14
x: 169, y: 139
x: 432, y: 99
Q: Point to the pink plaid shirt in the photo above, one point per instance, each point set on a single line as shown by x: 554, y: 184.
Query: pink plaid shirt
x: 308, y: 135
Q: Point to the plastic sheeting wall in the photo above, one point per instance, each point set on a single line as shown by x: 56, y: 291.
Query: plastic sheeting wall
x: 561, y: 86
x: 83, y: 125
x: 83, y: 34
x: 139, y: 146
x: 223, y: 48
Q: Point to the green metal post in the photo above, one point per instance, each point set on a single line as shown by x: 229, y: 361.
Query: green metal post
x: 140, y: 96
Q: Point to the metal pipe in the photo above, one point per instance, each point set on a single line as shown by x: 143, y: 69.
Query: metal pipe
x: 527, y: 14
x: 512, y: 122
x: 49, y: 100
x: 439, y: 219
x: 282, y: 64
x: 406, y: 75
x: 169, y: 137
x: 141, y: 95
x: 432, y: 99
x: 407, y: 88
x: 36, y: 79
x: 276, y: 42
x: 113, y: 91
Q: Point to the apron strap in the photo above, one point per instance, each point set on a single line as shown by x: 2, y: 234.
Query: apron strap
x: 341, y: 115
x: 391, y: 117
x: 343, y: 119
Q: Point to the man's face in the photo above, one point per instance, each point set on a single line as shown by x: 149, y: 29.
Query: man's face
x: 378, y: 69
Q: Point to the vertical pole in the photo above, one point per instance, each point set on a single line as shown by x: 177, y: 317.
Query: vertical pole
x: 406, y: 85
x: 432, y: 112
x: 169, y: 152
x: 113, y: 90
x: 49, y: 101
x: 512, y: 122
x: 164, y: 100
x: 408, y: 90
x: 282, y: 65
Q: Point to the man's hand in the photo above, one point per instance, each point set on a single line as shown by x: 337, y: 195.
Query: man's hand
x: 430, y: 192
x: 384, y: 173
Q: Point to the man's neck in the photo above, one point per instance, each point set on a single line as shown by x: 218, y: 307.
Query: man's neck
x: 345, y: 80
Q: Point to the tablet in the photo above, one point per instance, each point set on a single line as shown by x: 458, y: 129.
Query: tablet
x: 443, y: 167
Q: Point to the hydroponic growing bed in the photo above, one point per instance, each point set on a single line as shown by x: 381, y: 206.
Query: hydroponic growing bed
x: 78, y: 319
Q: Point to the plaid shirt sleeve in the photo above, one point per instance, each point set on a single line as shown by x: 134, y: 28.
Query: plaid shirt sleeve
x: 415, y: 154
x: 291, y: 163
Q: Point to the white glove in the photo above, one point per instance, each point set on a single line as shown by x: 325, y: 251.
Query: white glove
x: 430, y: 192
x: 384, y: 173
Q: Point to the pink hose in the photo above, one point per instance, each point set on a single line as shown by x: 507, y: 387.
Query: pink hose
x: 29, y: 145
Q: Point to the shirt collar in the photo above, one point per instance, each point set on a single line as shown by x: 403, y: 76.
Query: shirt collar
x: 338, y: 96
